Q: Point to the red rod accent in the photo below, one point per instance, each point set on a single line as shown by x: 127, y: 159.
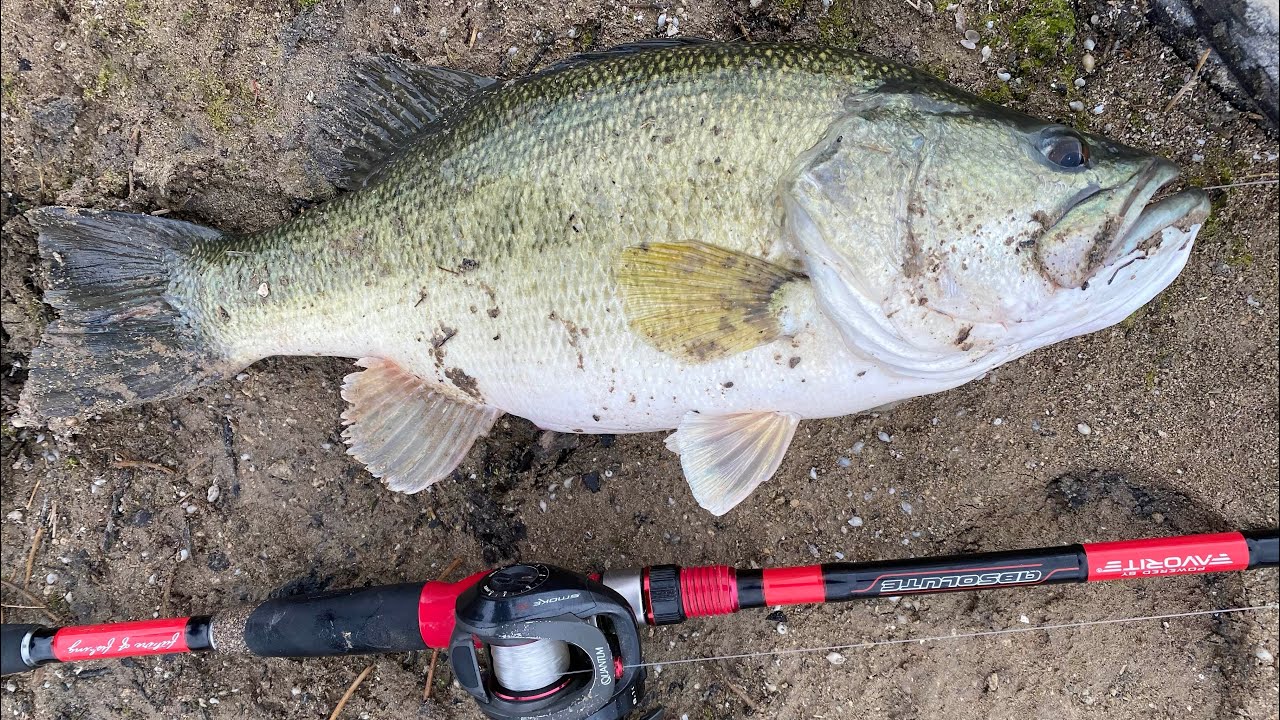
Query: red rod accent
x: 708, y: 590
x: 794, y: 585
x: 437, y: 609
x: 127, y: 639
x: 1190, y: 554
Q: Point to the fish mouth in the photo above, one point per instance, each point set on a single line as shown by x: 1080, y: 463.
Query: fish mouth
x: 1102, y: 227
x: 1145, y: 219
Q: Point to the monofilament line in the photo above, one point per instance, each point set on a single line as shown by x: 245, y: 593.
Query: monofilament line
x: 961, y: 636
x: 1241, y: 184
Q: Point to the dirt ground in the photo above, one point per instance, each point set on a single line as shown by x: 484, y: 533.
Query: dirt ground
x: 201, y: 109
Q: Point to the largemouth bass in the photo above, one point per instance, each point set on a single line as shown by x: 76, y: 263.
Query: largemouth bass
x: 723, y: 239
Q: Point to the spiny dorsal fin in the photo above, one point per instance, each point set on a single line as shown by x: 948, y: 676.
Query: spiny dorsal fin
x: 700, y: 302
x: 382, y: 108
x: 625, y: 49
x: 404, y: 431
x: 725, y: 457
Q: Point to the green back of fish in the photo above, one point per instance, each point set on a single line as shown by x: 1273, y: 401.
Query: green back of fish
x: 535, y: 186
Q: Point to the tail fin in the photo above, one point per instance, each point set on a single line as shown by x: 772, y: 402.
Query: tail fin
x: 120, y: 339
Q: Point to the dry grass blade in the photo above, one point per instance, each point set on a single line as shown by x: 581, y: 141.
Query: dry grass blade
x: 342, y: 703
x: 31, y: 556
x: 1195, y: 75
x: 33, y: 493
x: 31, y: 598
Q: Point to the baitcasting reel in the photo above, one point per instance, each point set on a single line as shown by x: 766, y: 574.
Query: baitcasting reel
x: 538, y: 641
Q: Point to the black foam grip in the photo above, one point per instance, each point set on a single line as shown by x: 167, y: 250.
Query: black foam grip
x: 11, y: 637
x: 344, y: 622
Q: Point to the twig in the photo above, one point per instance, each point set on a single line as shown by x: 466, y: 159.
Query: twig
x: 124, y: 463
x: 53, y: 514
x: 22, y: 607
x: 31, y: 556
x: 31, y: 598
x: 1195, y: 75
x: 351, y: 690
x: 33, y: 492
x: 742, y: 695
x: 435, y: 654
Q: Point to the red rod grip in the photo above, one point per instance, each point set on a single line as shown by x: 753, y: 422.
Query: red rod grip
x: 1186, y: 555
x: 145, y: 637
x: 794, y: 585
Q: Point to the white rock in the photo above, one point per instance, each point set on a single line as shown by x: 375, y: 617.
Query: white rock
x: 1089, y: 44
x: 1088, y: 62
x: 835, y: 658
x: 14, y: 515
x: 855, y: 521
x: 213, y: 493
x: 1024, y: 619
x: 1076, y: 106
x: 1004, y: 76
x: 184, y: 555
x: 1264, y: 655
x: 1083, y: 429
x: 906, y: 507
x: 51, y: 578
x: 884, y: 436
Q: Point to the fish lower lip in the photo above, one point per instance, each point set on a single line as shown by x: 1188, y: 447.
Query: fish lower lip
x: 1187, y: 207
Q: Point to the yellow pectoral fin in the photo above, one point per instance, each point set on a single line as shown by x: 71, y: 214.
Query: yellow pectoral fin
x: 700, y: 302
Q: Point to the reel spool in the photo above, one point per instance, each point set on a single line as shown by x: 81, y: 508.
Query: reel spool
x: 541, y: 641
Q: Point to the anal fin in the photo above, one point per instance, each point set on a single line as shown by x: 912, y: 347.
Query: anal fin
x: 701, y: 302
x: 725, y: 457
x: 405, y: 432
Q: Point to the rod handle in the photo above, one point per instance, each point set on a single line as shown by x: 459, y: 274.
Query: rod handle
x: 12, y: 637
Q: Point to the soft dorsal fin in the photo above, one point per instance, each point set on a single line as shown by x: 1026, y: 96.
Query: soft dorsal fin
x: 625, y: 49
x: 382, y: 108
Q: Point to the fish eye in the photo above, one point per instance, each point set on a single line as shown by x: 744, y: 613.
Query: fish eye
x: 1066, y: 151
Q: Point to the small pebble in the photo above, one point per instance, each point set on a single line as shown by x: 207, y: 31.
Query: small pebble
x: 998, y: 421
x: 972, y: 35
x: 542, y: 505
x: 1004, y: 76
x: 51, y: 578
x: 1079, y: 82
x: 1264, y: 655
x: 857, y: 447
x: 1083, y: 429
x: 782, y: 628
x: 846, y: 462
x: 16, y: 515
x: 906, y: 507
x: 1089, y: 44
x: 1024, y: 619
x: 213, y: 493
x: 855, y: 521
x: 968, y: 44
x: 813, y: 473
x: 1076, y: 106
x: 835, y: 658
x: 1099, y: 108
x: 884, y: 436
x: 184, y: 555
x: 1088, y: 62
x: 986, y: 53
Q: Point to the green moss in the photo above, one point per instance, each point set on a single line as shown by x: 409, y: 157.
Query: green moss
x: 1238, y: 255
x: 305, y: 5
x: 789, y: 7
x: 100, y: 83
x: 997, y: 92
x: 1043, y: 32
x: 216, y: 96
x: 839, y: 26
x: 135, y: 14
x: 9, y: 90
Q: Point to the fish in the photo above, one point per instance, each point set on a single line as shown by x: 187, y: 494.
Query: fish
x: 716, y: 239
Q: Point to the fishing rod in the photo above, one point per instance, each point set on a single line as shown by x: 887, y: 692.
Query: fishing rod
x: 533, y: 640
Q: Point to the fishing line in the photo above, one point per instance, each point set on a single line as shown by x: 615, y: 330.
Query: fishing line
x: 960, y: 636
x: 1242, y: 184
